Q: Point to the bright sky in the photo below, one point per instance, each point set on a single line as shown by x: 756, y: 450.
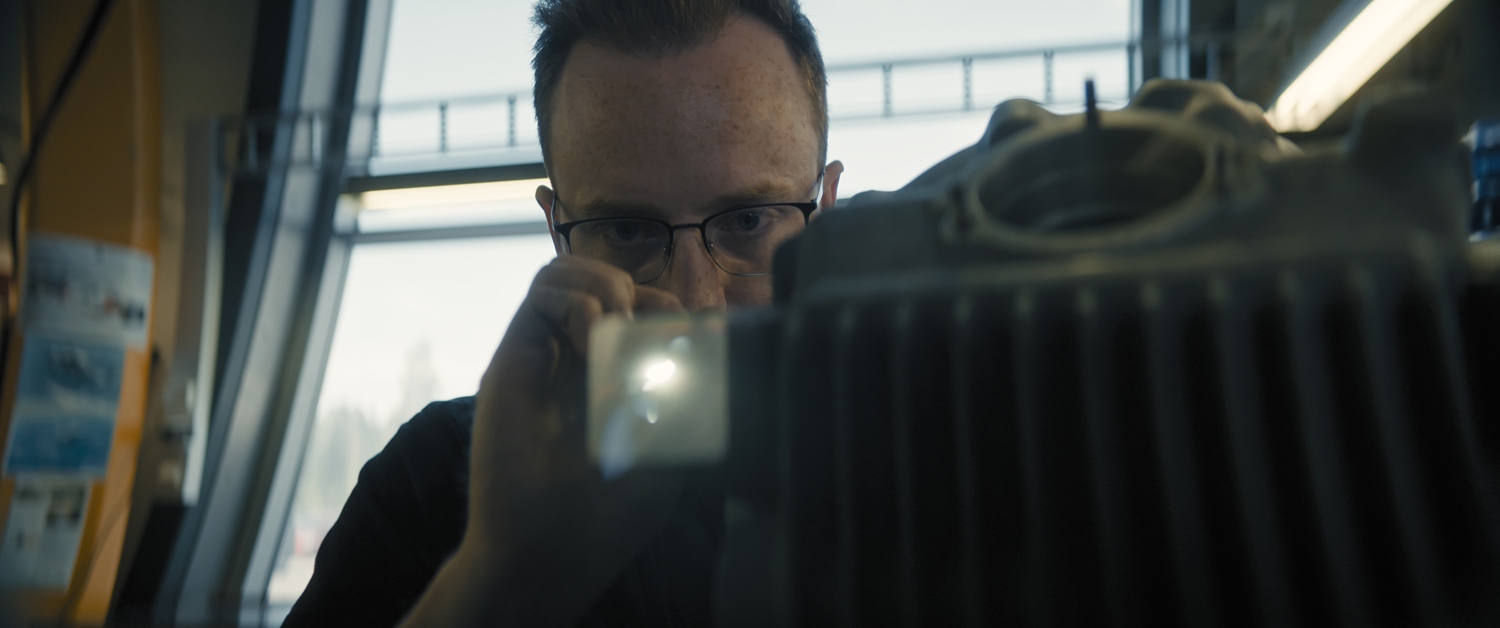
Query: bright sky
x: 445, y: 48
x: 440, y: 49
x: 456, y: 296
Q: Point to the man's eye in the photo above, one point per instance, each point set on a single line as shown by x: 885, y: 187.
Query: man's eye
x: 625, y: 232
x: 749, y: 221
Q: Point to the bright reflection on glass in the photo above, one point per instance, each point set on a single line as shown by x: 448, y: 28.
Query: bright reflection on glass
x: 658, y: 374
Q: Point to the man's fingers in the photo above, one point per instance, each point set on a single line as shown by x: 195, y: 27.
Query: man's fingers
x: 567, y: 297
x: 613, y: 287
x: 570, y: 312
x: 649, y: 299
x: 529, y: 369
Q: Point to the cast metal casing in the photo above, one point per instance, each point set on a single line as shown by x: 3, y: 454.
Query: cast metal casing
x: 1154, y: 366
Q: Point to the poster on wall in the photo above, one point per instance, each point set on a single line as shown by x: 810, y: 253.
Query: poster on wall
x: 42, y: 533
x: 66, y: 402
x: 79, y: 288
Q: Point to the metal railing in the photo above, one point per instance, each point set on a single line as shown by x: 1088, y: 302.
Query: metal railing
x: 1046, y: 55
x: 488, y: 122
x: 443, y: 132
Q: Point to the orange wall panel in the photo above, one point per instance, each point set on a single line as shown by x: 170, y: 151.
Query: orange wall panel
x: 98, y: 176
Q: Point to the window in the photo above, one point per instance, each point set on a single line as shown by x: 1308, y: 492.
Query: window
x: 418, y: 322
x: 456, y: 90
x: 928, y: 122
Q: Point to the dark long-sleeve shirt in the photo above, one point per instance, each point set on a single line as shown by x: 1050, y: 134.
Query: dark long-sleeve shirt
x: 407, y: 515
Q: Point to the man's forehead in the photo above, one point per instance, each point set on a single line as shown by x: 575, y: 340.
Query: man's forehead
x: 733, y: 103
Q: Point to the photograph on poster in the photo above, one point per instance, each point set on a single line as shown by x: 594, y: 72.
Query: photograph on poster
x: 42, y: 533
x: 86, y: 289
x: 66, y: 401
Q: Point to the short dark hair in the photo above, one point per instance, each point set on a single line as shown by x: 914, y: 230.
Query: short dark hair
x: 650, y: 28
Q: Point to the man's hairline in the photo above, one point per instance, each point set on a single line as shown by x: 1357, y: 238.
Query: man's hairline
x: 820, y: 118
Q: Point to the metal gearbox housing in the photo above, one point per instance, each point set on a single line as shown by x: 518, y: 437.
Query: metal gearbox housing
x: 1147, y: 367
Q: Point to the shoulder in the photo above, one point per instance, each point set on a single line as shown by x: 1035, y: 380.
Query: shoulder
x: 441, y: 423
x: 419, y: 484
x: 414, y: 493
x: 405, y: 516
x: 427, y: 461
x: 441, y: 420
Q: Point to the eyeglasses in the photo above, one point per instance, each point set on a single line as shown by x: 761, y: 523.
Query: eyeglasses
x: 741, y: 240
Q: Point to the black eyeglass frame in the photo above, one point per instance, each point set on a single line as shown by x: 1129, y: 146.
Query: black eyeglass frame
x: 566, y: 230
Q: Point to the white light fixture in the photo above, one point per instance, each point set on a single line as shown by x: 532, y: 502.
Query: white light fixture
x: 1362, y: 45
x: 408, y: 198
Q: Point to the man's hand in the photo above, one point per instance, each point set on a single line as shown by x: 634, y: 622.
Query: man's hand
x: 546, y: 535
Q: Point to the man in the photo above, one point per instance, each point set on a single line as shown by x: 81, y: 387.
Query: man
x: 684, y: 139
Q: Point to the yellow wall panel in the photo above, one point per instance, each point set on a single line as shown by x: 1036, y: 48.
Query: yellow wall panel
x: 98, y: 176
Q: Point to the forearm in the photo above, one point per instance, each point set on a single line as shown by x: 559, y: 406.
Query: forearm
x: 467, y: 591
x: 481, y: 587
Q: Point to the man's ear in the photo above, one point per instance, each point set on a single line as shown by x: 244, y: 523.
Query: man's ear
x: 544, y: 198
x: 830, y: 197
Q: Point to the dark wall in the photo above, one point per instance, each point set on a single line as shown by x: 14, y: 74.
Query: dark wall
x: 1270, y: 35
x: 1456, y: 58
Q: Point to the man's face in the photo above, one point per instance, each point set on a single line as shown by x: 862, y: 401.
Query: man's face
x: 680, y: 138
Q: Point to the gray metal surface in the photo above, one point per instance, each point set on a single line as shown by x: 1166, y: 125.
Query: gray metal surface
x: 1135, y: 368
x: 209, y: 580
x: 270, y: 536
x: 363, y: 127
x: 191, y: 382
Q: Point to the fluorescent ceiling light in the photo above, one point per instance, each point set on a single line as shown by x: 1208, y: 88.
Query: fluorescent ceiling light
x: 1363, y: 46
x: 436, y: 196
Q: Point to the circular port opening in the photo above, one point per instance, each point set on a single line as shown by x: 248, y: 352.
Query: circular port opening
x: 1093, y: 180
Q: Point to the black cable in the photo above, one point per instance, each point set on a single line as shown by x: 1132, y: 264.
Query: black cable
x: 44, y: 123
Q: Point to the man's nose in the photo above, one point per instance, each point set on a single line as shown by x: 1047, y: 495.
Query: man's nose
x: 692, y: 275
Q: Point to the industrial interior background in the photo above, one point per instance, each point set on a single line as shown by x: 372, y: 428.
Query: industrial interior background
x: 119, y: 167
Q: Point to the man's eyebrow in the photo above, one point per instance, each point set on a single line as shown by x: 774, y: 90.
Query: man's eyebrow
x: 612, y: 208
x: 766, y: 193
x: 609, y: 208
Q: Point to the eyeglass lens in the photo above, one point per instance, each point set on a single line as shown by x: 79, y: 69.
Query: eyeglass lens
x: 741, y: 242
